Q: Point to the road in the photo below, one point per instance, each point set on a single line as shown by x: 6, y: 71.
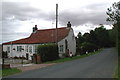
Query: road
x: 101, y: 65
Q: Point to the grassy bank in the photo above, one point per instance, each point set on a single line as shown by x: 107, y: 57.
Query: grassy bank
x: 118, y: 71
x: 6, y: 72
x: 73, y: 58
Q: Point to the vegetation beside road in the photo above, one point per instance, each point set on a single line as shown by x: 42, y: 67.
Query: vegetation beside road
x: 117, y: 72
x: 6, y: 72
x: 73, y: 58
x: 114, y: 16
x: 119, y: 68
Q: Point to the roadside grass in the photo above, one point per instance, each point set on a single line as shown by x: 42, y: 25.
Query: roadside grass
x: 6, y: 72
x: 115, y: 75
x: 118, y: 73
x: 73, y: 58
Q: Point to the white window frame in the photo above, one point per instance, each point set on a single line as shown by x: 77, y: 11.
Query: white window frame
x: 30, y: 49
x: 26, y: 48
x: 8, y: 49
x: 19, y: 48
x: 61, y: 48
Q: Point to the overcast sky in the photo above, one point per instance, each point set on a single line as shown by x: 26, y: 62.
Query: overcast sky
x: 18, y: 17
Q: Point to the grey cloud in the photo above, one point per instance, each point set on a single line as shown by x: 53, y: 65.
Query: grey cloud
x: 83, y: 17
x: 21, y: 11
x: 8, y: 36
x: 93, y: 13
x: 96, y: 13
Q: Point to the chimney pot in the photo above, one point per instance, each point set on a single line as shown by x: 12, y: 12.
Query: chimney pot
x: 35, y: 28
x: 68, y: 24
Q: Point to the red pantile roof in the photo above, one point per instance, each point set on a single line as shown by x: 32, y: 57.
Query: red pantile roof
x: 43, y: 36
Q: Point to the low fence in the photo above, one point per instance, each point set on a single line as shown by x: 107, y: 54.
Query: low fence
x: 15, y: 62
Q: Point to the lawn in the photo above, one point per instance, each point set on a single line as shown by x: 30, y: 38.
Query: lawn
x: 6, y: 72
x: 73, y: 58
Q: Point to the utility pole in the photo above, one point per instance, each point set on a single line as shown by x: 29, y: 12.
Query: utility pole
x: 56, y: 23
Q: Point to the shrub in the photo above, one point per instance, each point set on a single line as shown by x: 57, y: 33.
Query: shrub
x: 48, y: 52
x: 88, y: 47
x: 16, y: 57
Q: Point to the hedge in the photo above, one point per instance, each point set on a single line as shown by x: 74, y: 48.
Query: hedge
x: 88, y: 47
x: 48, y: 52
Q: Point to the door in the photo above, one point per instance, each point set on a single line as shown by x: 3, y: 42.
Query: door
x: 27, y: 56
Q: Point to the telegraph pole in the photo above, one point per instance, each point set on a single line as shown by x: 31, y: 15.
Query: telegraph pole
x: 56, y: 23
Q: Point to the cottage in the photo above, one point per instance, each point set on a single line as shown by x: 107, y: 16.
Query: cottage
x: 28, y: 46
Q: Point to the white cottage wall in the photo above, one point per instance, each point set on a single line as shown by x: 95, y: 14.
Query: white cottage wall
x: 26, y: 49
x: 71, y: 44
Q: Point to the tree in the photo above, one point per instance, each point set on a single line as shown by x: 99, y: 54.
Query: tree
x: 114, y: 12
x: 102, y: 35
x: 79, y: 41
x: 114, y: 16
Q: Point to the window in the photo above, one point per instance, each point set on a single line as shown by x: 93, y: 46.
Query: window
x: 26, y: 48
x: 8, y: 49
x: 35, y: 49
x: 19, y: 48
x: 61, y: 48
x: 30, y: 49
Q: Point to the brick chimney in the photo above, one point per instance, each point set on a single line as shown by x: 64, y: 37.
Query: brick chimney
x: 35, y: 29
x: 68, y: 24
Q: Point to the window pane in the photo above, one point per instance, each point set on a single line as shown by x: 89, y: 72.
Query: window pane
x: 8, y: 49
x: 19, y: 48
x: 30, y: 49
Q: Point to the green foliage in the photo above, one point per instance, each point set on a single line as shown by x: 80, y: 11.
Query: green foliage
x: 98, y: 38
x: 6, y: 72
x: 114, y: 16
x: 119, y: 67
x: 114, y: 12
x: 88, y: 47
x: 118, y: 37
x: 103, y: 38
x: 48, y: 52
x: 73, y: 58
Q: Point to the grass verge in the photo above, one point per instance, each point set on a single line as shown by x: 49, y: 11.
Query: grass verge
x: 6, y: 72
x: 73, y: 58
x: 118, y: 67
x: 117, y: 72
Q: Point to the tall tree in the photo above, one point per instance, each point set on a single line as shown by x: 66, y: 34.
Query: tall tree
x: 114, y: 16
x: 114, y: 12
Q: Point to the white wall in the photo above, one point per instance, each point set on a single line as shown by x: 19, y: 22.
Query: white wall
x: 71, y: 43
x: 14, y: 53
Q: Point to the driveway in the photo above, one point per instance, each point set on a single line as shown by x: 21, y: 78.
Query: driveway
x: 101, y: 65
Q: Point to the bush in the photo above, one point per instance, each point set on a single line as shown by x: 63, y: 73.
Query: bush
x: 4, y: 54
x: 88, y: 47
x: 16, y: 57
x: 48, y: 52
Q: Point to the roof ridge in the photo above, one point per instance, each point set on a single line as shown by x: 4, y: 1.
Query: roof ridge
x: 51, y: 29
